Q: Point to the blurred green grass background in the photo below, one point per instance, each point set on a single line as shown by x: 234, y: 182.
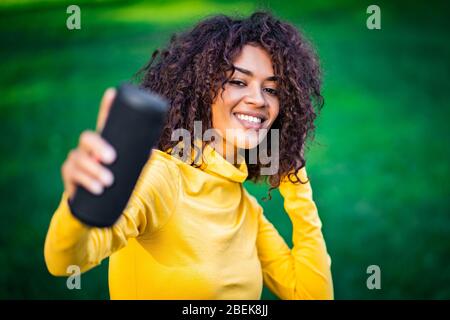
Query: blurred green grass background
x: 378, y: 166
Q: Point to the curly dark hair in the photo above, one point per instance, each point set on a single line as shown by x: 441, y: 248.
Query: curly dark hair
x: 194, y: 66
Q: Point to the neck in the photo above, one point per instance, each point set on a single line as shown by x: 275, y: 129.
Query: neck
x: 227, y: 150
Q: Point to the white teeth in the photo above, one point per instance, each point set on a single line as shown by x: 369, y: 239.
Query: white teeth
x: 248, y: 118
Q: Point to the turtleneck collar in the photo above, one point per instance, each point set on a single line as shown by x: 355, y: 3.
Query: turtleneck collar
x: 214, y: 163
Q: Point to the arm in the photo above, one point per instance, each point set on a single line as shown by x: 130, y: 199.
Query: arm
x: 70, y: 242
x: 302, y: 272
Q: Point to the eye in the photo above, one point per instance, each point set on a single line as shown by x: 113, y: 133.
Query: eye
x: 272, y: 91
x: 238, y: 83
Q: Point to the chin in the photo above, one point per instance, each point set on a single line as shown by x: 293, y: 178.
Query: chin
x: 249, y: 140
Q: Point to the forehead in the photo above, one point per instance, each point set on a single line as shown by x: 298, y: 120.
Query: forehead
x: 255, y: 59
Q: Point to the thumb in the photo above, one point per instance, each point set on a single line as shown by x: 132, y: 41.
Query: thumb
x: 105, y: 106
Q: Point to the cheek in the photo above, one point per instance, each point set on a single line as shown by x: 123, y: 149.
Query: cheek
x: 274, y: 111
x: 219, y: 111
x: 224, y: 105
x: 232, y: 96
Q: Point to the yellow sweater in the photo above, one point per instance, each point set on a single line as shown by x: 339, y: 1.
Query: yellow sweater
x: 190, y: 233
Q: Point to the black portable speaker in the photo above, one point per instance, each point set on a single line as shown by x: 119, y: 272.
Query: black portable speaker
x: 133, y: 127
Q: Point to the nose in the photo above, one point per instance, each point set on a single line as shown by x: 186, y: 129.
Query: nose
x: 255, y: 97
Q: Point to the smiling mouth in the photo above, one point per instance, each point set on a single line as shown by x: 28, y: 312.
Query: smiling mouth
x: 250, y: 121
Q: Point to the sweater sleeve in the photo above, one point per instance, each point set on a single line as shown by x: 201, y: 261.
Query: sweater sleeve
x: 70, y: 242
x: 302, y: 272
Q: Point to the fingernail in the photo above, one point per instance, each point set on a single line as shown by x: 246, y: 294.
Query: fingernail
x: 109, y: 155
x: 110, y: 91
x: 107, y: 178
x: 96, y: 188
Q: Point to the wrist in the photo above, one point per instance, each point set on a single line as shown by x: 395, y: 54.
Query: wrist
x: 295, y: 185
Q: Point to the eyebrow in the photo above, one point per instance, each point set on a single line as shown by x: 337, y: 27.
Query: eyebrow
x: 248, y: 72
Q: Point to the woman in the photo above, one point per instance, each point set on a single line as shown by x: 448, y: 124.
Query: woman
x: 190, y: 229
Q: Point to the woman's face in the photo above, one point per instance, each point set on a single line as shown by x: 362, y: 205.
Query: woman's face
x: 249, y: 101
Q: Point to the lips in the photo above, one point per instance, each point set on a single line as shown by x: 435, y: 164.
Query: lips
x: 250, y: 120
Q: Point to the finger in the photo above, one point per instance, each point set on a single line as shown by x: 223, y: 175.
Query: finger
x: 74, y: 177
x: 92, y: 143
x: 105, y: 107
x: 85, y: 180
x: 86, y: 164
